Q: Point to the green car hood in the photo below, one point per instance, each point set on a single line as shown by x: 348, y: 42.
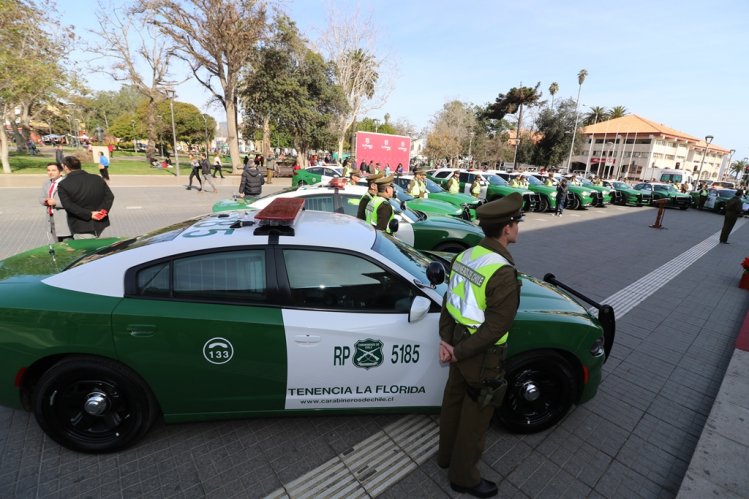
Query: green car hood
x: 458, y: 199
x: 539, y: 297
x: 233, y: 204
x: 451, y: 223
x: 41, y: 261
x: 434, y: 207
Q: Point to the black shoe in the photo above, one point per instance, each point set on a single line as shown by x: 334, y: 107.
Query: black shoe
x: 443, y: 467
x: 189, y: 188
x: 485, y: 488
x: 724, y: 242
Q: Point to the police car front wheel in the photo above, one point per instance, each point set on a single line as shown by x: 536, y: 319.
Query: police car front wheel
x: 541, y: 388
x: 91, y: 404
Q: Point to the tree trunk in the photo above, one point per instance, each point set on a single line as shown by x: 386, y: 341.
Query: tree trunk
x: 151, y: 130
x: 232, y: 138
x: 517, y: 139
x: 4, y: 142
x: 265, y: 148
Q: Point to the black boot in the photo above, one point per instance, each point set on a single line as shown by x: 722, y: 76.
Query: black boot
x: 484, y: 488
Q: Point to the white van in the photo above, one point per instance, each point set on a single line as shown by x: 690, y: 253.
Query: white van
x: 677, y: 177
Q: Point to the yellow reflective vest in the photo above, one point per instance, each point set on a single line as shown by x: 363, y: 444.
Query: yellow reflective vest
x: 371, y: 211
x: 466, y: 299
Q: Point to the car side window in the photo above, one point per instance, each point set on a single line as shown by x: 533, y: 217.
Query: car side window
x: 236, y: 276
x: 319, y: 203
x: 316, y: 170
x: 339, y: 281
x: 442, y: 174
x: 462, y: 176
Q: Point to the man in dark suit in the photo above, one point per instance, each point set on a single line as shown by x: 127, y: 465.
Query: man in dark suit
x: 87, y: 200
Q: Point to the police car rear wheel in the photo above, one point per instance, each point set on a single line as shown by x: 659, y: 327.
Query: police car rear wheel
x: 543, y: 205
x: 90, y: 404
x: 541, y: 388
x: 575, y: 203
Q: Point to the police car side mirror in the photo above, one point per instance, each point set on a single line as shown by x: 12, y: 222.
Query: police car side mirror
x: 435, y: 273
x: 393, y: 226
x: 419, y: 308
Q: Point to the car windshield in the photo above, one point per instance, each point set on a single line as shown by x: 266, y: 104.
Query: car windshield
x: 410, y: 215
x: 621, y: 185
x: 727, y: 193
x: 495, y: 179
x: 643, y: 187
x: 406, y: 257
x: 533, y: 180
x: 401, y: 193
x: 433, y: 187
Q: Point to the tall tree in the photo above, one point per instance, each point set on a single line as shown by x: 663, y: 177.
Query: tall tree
x: 738, y: 168
x: 348, y: 43
x: 31, y: 65
x: 141, y: 61
x: 514, y: 101
x: 596, y: 114
x: 451, y: 132
x: 581, y: 75
x: 553, y: 89
x: 264, y: 90
x: 617, y: 112
x: 218, y: 39
x: 554, y: 127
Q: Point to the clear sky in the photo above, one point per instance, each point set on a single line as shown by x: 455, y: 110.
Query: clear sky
x: 680, y: 63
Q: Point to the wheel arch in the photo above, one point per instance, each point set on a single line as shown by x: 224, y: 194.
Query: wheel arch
x: 36, y: 370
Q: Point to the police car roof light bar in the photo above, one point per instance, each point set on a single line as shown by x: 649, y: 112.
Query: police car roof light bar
x: 338, y: 182
x: 279, y: 216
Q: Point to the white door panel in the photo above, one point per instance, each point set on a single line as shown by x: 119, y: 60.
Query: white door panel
x: 344, y: 360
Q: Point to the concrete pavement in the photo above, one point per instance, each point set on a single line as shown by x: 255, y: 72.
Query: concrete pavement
x: 636, y: 438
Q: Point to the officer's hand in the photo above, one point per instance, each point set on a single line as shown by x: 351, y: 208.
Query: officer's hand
x: 446, y: 352
x: 241, y: 194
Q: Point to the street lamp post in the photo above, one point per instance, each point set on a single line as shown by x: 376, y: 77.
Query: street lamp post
x: 132, y: 122
x: 77, y: 132
x: 730, y: 157
x: 376, y: 124
x: 708, y: 140
x: 70, y: 125
x: 470, y: 145
x: 173, y: 95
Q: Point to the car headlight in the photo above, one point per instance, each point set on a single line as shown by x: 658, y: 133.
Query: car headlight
x: 597, y: 348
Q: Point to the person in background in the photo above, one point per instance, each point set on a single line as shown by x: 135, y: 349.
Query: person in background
x: 361, y: 213
x: 195, y: 172
x: 733, y: 209
x: 50, y: 199
x: 110, y: 148
x: 453, y: 186
x: 252, y: 181
x: 561, y: 196
x: 217, y: 165
x: 59, y: 154
x: 476, y: 187
x: 379, y: 212
x: 103, y: 166
x: 417, y: 187
x: 87, y: 200
x: 399, y: 170
x: 205, y: 167
x: 269, y: 167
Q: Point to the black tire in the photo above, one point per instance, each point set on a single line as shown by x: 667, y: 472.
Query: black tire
x: 129, y: 407
x: 451, y: 247
x: 575, y: 203
x: 552, y: 375
x: 543, y: 204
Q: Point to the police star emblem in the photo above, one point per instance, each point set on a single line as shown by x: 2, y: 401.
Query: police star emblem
x: 368, y: 353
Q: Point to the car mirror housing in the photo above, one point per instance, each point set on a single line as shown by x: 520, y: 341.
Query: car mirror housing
x: 435, y: 273
x: 393, y: 226
x: 419, y: 308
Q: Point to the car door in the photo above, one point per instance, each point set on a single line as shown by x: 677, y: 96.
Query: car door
x: 206, y: 332
x: 712, y: 196
x: 349, y: 339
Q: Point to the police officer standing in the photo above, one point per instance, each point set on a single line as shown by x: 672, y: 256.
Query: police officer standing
x: 417, y: 187
x: 378, y: 211
x: 733, y: 210
x: 478, y: 311
x: 367, y: 197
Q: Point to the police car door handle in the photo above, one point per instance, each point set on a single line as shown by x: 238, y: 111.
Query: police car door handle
x: 307, y: 339
x: 141, y: 330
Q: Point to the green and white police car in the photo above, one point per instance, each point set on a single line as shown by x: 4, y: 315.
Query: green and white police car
x: 424, y: 231
x: 260, y: 313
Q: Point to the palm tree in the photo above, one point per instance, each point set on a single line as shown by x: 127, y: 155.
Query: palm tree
x: 553, y: 89
x: 511, y: 102
x: 617, y: 112
x: 580, y: 80
x: 739, y: 167
x: 596, y: 114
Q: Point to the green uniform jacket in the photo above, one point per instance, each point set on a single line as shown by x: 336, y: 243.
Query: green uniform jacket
x: 361, y: 213
x: 502, y: 300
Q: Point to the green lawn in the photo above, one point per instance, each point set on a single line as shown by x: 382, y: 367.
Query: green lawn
x: 122, y: 163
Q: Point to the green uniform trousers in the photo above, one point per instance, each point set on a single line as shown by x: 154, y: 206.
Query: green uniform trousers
x: 463, y: 425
